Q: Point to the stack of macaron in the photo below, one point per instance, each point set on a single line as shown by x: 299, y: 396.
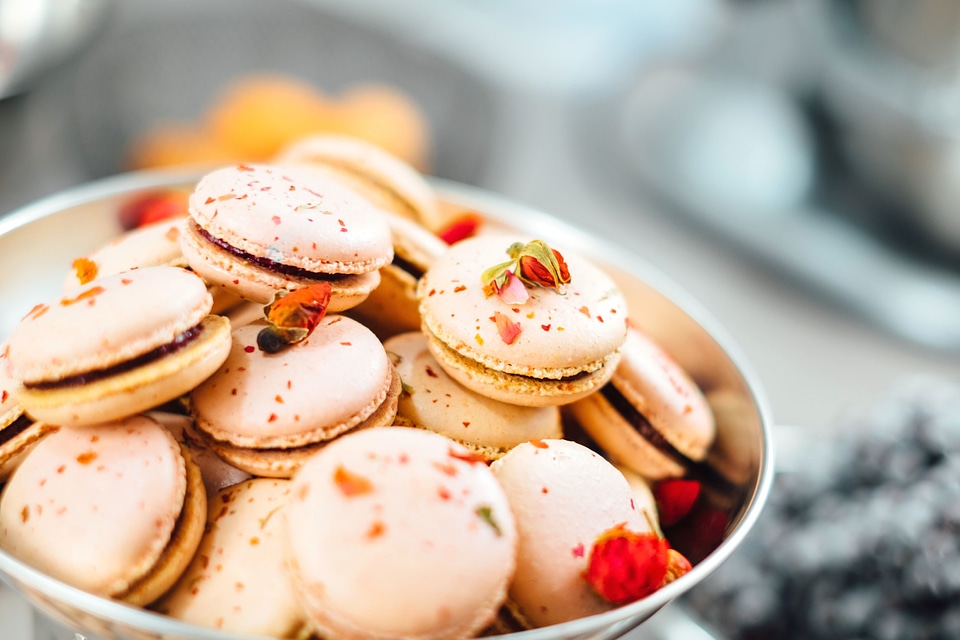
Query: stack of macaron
x: 394, y: 437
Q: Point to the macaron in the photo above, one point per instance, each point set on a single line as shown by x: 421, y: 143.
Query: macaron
x: 564, y: 496
x: 393, y: 307
x: 18, y: 432
x: 147, y: 246
x: 379, y: 176
x: 528, y: 345
x: 120, y: 345
x: 434, y: 401
x: 399, y: 533
x: 266, y: 413
x: 258, y: 229
x: 115, y: 509
x: 237, y: 580
x: 652, y: 417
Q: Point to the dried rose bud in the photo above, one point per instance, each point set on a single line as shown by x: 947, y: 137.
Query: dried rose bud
x: 546, y: 273
x: 293, y: 316
x: 675, y: 498
x: 533, y: 263
x: 677, y: 565
x: 625, y: 566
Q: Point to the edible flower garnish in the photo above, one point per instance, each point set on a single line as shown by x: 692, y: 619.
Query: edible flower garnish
x: 293, y: 315
x: 462, y: 227
x: 675, y: 498
x: 625, y: 565
x: 507, y: 328
x: 533, y: 264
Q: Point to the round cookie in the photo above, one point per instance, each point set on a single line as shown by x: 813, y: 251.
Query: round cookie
x: 237, y: 581
x: 399, y: 533
x: 564, y: 496
x: 115, y: 509
x: 434, y: 401
x: 652, y: 417
x: 118, y: 346
x: 266, y: 413
x: 258, y: 229
x: 382, y: 178
x: 551, y: 349
x: 393, y: 307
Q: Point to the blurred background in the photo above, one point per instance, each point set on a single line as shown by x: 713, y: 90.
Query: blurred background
x: 793, y: 165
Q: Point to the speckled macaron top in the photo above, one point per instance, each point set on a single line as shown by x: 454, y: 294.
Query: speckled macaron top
x: 399, y: 533
x: 10, y: 409
x: 237, y: 580
x: 292, y: 217
x: 564, y: 496
x: 308, y: 392
x: 154, y: 244
x: 435, y: 401
x: 106, y: 322
x: 560, y: 334
x: 95, y: 506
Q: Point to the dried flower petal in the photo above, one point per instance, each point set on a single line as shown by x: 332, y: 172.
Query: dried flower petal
x: 513, y: 291
x: 675, y: 498
x: 351, y: 484
x: 85, y: 269
x: 507, y: 328
x: 461, y: 228
x: 293, y: 315
x: 677, y: 565
x: 625, y: 566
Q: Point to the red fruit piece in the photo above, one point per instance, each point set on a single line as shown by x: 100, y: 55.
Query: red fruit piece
x: 625, y: 566
x: 675, y: 498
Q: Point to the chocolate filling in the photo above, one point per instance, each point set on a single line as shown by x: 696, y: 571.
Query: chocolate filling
x: 407, y: 266
x: 15, y: 428
x: 268, y: 264
x: 177, y: 343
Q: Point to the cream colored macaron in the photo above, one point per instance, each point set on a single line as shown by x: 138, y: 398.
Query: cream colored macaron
x: 115, y: 509
x: 266, y: 413
x: 258, y: 229
x: 117, y: 346
x: 238, y: 581
x: 553, y: 348
x: 652, y: 417
x: 399, y: 533
x: 434, y: 401
x: 564, y: 496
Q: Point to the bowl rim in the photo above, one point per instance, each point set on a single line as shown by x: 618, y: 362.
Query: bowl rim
x: 616, y: 621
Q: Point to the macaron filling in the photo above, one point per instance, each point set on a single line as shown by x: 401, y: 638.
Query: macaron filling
x: 643, y: 426
x: 267, y: 263
x: 179, y: 342
x: 407, y: 266
x: 15, y: 428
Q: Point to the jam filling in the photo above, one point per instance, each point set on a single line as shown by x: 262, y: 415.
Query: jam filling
x: 15, y: 428
x: 407, y: 266
x: 268, y: 264
x: 176, y: 344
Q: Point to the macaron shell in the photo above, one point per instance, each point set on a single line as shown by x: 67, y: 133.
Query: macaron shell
x: 151, y: 245
x: 135, y: 390
x: 308, y: 392
x: 249, y: 281
x: 564, y: 496
x: 10, y: 409
x: 560, y: 334
x: 438, y: 403
x: 237, y: 581
x: 384, y: 179
x: 95, y: 506
x: 396, y: 533
x: 109, y: 321
x: 292, y: 217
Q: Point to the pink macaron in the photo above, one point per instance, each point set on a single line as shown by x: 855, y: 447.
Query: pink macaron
x: 266, y: 413
x: 399, y: 533
x: 564, y: 496
x: 651, y: 417
x: 117, y: 346
x: 258, y: 229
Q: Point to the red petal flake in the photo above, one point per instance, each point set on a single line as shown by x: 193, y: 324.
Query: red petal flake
x: 153, y: 207
x: 507, y: 328
x: 675, y: 498
x: 85, y: 269
x: 461, y: 228
x: 625, y: 566
x: 351, y: 484
x: 513, y: 290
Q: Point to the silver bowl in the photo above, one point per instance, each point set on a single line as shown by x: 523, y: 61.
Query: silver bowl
x: 39, y: 242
